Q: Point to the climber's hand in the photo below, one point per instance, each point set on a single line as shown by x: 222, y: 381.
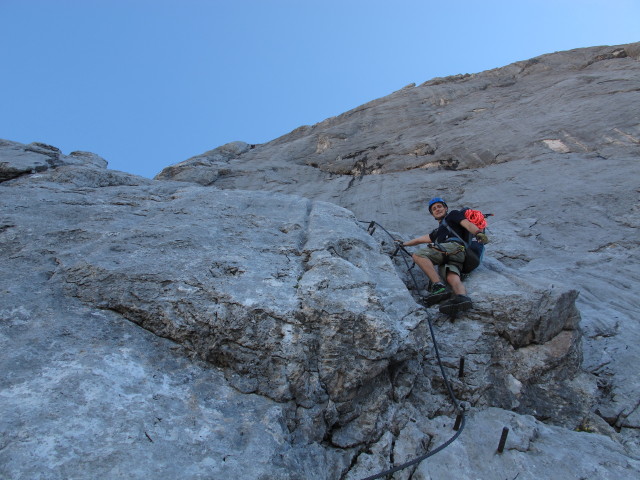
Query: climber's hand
x: 482, y: 238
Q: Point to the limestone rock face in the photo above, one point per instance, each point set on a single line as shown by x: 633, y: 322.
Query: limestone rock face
x: 549, y: 145
x: 17, y: 159
x: 529, y: 445
x: 287, y: 294
x: 209, y: 165
x: 582, y: 101
x: 243, y: 322
x: 290, y: 297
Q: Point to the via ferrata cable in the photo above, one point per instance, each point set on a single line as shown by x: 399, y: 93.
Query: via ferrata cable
x: 459, y: 410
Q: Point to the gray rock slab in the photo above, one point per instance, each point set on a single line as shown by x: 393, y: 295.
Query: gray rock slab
x: 17, y: 159
x: 549, y: 145
x: 86, y: 393
x: 281, y: 303
x: 290, y: 301
x: 89, y: 395
x: 532, y: 450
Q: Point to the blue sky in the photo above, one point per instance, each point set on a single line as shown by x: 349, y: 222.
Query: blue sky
x: 149, y: 83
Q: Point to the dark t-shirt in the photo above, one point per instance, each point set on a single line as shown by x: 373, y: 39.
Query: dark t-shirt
x: 442, y: 233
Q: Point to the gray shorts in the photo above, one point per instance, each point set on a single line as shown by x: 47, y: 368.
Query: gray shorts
x: 452, y: 261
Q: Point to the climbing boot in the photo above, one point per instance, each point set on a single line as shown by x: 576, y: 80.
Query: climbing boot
x: 459, y: 303
x: 437, y: 293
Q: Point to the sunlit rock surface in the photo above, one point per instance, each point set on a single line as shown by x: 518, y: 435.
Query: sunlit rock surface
x: 237, y: 319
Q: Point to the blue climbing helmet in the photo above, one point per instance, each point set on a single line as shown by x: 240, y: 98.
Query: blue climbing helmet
x: 437, y: 200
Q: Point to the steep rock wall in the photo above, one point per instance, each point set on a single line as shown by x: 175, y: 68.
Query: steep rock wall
x: 549, y: 145
x: 301, y: 345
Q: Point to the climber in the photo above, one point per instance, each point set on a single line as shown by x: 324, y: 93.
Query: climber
x: 448, y: 252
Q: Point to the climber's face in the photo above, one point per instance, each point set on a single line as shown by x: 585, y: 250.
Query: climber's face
x: 438, y: 210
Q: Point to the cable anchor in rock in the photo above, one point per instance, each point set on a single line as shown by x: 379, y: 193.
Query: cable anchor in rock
x: 503, y: 439
x: 371, y: 228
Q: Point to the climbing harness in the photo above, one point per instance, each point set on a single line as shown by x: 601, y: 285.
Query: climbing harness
x: 460, y: 419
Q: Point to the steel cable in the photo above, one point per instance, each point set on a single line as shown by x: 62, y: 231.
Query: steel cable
x: 459, y: 410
